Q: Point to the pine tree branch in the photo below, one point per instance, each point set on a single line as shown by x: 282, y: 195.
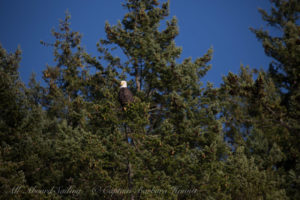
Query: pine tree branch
x: 287, y: 126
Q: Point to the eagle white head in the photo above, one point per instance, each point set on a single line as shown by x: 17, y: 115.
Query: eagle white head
x: 123, y: 84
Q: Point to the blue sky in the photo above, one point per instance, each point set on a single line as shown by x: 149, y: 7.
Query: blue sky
x: 221, y: 24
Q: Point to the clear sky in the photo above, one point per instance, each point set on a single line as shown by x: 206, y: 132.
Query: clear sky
x: 221, y: 24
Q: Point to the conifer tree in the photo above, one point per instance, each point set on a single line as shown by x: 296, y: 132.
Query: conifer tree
x: 182, y: 133
x: 177, y: 140
x: 77, y: 155
x: 64, y: 98
x: 249, y: 125
x: 18, y: 125
x: 12, y: 117
x: 283, y: 47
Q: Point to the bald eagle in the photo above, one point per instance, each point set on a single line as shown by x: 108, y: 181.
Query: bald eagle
x: 125, y: 95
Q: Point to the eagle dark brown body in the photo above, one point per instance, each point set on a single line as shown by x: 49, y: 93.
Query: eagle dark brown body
x: 125, y: 96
